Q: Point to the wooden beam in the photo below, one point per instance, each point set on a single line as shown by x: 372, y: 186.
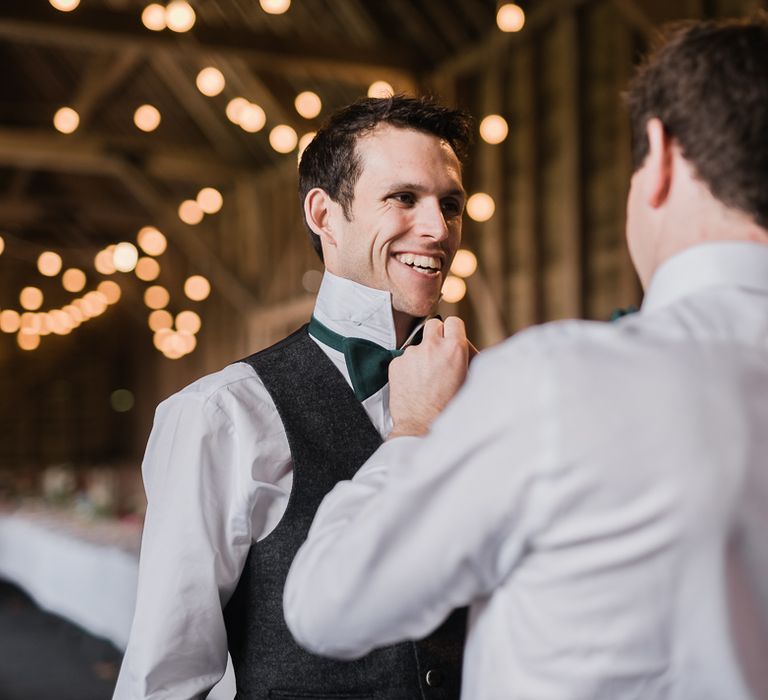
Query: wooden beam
x: 181, y: 84
x: 105, y: 29
x: 103, y: 77
x: 497, y: 42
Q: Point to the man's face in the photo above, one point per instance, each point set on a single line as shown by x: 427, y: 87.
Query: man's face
x: 405, y: 222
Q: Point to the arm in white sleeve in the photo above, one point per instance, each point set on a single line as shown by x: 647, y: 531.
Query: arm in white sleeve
x: 428, y: 524
x: 198, y: 473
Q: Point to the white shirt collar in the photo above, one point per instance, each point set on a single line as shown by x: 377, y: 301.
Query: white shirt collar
x: 354, y: 310
x: 716, y: 264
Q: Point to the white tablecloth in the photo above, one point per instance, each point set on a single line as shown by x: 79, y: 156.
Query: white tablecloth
x: 73, y: 575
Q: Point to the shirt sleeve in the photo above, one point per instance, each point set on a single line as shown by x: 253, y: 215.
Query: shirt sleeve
x: 428, y: 524
x: 199, y: 474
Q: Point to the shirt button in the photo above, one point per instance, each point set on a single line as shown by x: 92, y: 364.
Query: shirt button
x: 434, y: 678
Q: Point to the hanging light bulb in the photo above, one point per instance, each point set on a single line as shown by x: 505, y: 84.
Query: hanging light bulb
x: 179, y: 16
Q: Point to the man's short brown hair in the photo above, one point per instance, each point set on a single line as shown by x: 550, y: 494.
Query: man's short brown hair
x: 708, y: 84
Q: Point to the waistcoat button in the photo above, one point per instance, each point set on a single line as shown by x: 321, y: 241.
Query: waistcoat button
x: 434, y: 678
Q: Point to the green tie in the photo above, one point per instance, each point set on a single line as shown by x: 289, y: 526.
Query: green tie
x: 367, y: 362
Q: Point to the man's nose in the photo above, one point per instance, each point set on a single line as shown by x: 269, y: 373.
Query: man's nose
x: 431, y: 220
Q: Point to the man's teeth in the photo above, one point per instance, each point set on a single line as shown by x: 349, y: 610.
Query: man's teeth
x: 423, y: 261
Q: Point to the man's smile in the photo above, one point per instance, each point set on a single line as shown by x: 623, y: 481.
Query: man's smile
x: 424, y: 264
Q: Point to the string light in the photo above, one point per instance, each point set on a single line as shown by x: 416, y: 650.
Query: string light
x: 103, y: 261
x: 308, y: 104
x: 147, y: 269
x: 31, y: 298
x: 125, y: 256
x: 494, y: 129
x: 153, y: 17
x: 156, y: 297
x: 210, y: 81
x: 209, y: 199
x: 510, y: 17
x: 454, y: 289
x: 480, y: 206
x: 151, y: 241
x: 111, y: 291
x: 464, y: 264
x: 2, y: 245
x: 275, y: 7
x: 66, y: 120
x: 252, y: 118
x: 190, y: 212
x: 188, y: 321
x: 27, y: 341
x: 73, y: 280
x: 10, y: 321
x: 381, y: 89
x: 304, y: 141
x: 235, y: 108
x: 179, y: 16
x: 283, y: 138
x: 159, y: 319
x: 65, y: 5
x: 197, y: 288
x: 147, y: 118
x: 49, y: 263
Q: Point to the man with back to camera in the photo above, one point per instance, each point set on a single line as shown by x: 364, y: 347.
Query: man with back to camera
x: 381, y: 188
x: 597, y: 492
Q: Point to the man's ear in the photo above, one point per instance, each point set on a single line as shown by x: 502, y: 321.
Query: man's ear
x: 319, y: 212
x: 659, y: 163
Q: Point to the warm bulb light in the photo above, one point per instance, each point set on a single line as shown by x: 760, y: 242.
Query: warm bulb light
x: 381, y: 89
x: 210, y: 81
x: 10, y: 321
x: 153, y: 17
x: 2, y: 245
x: 66, y: 120
x: 275, y: 7
x: 65, y: 5
x: 308, y: 104
x: 179, y: 16
x: 31, y: 298
x: 304, y: 141
x: 147, y: 118
x: 147, y: 269
x: 235, y: 108
x: 151, y: 241
x: 454, y: 289
x: 283, y: 138
x: 209, y: 199
x: 103, y: 261
x: 188, y: 321
x: 160, y: 319
x: 28, y: 341
x: 510, y: 17
x: 480, y: 206
x: 125, y: 256
x: 111, y: 291
x: 156, y: 297
x: 464, y: 264
x: 494, y: 129
x: 49, y: 263
x: 190, y: 212
x: 197, y: 287
x: 252, y: 118
x: 73, y: 280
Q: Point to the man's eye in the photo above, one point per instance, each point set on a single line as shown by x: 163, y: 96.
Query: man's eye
x: 451, y: 207
x: 403, y: 198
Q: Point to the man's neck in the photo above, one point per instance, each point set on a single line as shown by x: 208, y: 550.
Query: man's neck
x: 404, y: 324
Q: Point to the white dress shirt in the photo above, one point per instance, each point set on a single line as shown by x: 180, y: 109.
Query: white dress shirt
x: 217, y: 473
x: 584, y: 493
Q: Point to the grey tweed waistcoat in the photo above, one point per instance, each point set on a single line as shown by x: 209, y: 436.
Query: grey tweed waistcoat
x: 330, y: 436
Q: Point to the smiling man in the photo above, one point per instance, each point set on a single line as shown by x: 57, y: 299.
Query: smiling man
x: 237, y: 462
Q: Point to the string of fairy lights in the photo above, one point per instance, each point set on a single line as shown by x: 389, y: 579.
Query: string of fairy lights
x: 175, y: 335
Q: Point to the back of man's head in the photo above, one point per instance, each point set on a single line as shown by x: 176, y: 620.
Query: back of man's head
x: 707, y: 83
x: 331, y: 162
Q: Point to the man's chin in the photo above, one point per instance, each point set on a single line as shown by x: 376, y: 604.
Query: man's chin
x: 417, y: 309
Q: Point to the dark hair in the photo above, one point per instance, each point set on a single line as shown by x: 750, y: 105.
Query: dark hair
x: 331, y: 162
x: 707, y: 83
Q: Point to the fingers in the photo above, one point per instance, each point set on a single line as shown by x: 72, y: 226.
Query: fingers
x: 453, y: 328
x: 433, y: 328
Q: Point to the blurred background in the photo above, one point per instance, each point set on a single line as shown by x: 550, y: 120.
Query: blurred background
x: 150, y: 232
